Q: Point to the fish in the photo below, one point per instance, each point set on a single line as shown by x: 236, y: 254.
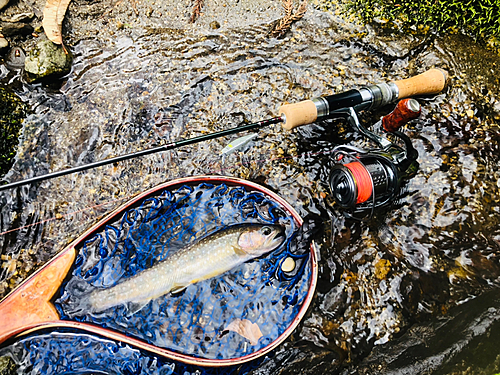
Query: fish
x: 206, y: 258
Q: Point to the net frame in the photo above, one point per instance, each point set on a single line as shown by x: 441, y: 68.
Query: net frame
x: 230, y: 181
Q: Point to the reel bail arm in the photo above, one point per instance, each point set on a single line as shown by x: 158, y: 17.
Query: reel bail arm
x: 364, y: 180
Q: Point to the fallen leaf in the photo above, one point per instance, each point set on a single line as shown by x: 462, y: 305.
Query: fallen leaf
x: 53, y: 15
x: 247, y: 329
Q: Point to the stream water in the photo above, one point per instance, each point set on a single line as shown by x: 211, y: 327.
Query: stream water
x: 389, y: 289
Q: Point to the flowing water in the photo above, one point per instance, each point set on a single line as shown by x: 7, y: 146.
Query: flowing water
x: 389, y: 289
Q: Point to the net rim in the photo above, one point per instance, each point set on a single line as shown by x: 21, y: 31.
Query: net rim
x: 185, y: 358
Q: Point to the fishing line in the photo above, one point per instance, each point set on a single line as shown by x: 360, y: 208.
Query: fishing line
x: 362, y: 179
x: 56, y: 218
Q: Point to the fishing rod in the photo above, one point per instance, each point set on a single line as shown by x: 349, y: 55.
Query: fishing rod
x: 292, y: 115
x: 169, y: 146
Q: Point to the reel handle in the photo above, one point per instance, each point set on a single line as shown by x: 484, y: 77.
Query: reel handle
x: 406, y: 110
x: 306, y: 112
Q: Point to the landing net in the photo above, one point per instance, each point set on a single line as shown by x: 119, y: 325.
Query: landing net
x: 194, y: 322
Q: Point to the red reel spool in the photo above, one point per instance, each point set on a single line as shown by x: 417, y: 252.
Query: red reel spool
x: 362, y: 180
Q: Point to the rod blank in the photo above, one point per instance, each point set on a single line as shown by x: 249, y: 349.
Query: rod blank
x: 169, y: 146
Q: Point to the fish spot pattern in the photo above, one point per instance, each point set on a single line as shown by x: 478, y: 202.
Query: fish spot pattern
x: 193, y: 320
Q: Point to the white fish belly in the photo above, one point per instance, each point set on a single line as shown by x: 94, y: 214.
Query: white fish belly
x: 201, y: 261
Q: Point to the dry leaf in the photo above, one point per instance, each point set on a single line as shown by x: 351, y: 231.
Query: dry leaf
x: 288, y: 6
x: 247, y: 329
x: 301, y: 10
x: 198, y: 5
x: 281, y: 27
x: 53, y: 15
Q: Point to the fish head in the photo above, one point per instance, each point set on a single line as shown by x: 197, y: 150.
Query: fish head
x: 257, y: 240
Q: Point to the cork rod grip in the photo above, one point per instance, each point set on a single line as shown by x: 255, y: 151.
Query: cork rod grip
x: 432, y: 81
x: 297, y: 114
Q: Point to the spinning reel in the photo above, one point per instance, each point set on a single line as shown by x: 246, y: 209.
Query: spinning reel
x: 363, y: 180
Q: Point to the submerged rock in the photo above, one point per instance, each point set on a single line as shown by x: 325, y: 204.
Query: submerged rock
x: 16, y: 28
x: 47, y: 61
x: 15, y: 58
x: 12, y: 114
x: 7, y: 366
x: 4, y: 44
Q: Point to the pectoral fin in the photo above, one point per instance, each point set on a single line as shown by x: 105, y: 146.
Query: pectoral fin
x: 178, y: 289
x: 238, y: 251
x: 134, y: 307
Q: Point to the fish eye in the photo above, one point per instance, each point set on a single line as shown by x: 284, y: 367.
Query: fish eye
x: 266, y: 231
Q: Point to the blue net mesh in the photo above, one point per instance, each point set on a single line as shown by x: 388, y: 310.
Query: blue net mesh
x: 70, y: 353
x: 193, y: 322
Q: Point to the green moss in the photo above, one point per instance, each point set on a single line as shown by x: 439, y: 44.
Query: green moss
x: 12, y: 113
x: 7, y: 366
x: 480, y: 19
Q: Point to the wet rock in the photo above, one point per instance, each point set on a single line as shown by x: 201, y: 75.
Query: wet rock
x: 7, y: 366
x: 15, y: 58
x: 214, y: 25
x: 20, y: 17
x: 16, y: 28
x: 308, y: 358
x: 3, y: 3
x: 47, y: 61
x: 4, y: 44
x: 12, y: 114
x: 464, y: 342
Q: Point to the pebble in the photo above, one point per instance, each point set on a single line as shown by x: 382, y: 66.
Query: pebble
x: 3, y: 3
x: 3, y: 43
x: 214, y: 25
x: 16, y: 28
x: 15, y: 58
x: 21, y: 17
x: 288, y: 265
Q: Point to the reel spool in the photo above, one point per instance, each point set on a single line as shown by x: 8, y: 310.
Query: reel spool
x: 364, y: 177
x: 360, y: 180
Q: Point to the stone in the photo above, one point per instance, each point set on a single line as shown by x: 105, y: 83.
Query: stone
x: 7, y: 366
x: 19, y: 17
x: 3, y: 3
x: 4, y: 44
x: 47, y: 61
x: 16, y: 28
x: 15, y: 58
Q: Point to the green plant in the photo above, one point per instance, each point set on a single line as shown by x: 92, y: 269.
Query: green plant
x: 12, y: 113
x: 480, y: 19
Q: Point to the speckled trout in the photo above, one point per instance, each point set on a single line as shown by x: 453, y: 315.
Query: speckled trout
x: 204, y: 259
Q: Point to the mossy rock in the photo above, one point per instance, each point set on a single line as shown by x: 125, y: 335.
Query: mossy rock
x: 7, y: 366
x: 480, y: 19
x: 12, y: 113
x: 47, y: 61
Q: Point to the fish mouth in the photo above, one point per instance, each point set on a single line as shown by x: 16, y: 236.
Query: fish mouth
x: 278, y: 238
